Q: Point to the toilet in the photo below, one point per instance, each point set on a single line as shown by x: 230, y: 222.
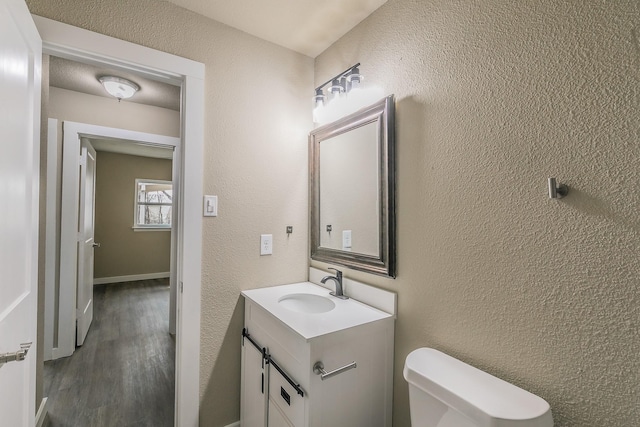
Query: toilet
x: 445, y: 392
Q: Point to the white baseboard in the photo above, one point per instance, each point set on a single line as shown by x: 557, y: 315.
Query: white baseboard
x: 41, y: 415
x: 57, y: 353
x: 236, y: 424
x: 130, y: 278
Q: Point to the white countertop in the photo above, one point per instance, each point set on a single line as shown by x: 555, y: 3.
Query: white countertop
x: 346, y: 314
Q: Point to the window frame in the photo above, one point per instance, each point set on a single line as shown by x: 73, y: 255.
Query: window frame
x: 137, y: 204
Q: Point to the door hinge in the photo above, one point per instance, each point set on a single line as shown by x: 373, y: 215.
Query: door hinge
x: 181, y: 287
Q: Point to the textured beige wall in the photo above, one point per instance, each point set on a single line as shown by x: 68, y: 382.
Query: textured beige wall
x: 98, y: 110
x: 493, y: 97
x: 258, y: 114
x: 124, y: 251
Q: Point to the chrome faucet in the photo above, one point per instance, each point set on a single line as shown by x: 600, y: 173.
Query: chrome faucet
x: 338, y: 279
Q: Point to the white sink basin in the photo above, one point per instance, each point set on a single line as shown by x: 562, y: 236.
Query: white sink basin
x: 306, y: 303
x: 309, y: 310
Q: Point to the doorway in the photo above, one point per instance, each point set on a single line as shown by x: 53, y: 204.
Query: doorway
x: 66, y: 294
x: 121, y: 155
x: 85, y: 46
x: 124, y: 370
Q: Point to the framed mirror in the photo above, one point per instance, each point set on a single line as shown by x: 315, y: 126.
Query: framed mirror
x: 352, y: 190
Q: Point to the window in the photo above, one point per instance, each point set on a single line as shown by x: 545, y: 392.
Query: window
x: 153, y: 204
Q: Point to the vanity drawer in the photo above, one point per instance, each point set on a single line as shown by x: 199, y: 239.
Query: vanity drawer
x: 285, y: 397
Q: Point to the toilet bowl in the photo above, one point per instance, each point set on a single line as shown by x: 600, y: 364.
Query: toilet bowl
x: 445, y: 392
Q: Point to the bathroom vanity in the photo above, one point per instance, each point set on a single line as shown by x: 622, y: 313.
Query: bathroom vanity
x: 310, y: 359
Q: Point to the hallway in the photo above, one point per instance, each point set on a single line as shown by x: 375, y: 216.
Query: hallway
x: 124, y: 373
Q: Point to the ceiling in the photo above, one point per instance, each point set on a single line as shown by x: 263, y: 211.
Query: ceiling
x: 305, y: 26
x: 79, y: 77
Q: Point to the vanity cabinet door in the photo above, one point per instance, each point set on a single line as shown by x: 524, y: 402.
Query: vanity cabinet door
x: 286, y: 400
x: 253, y: 402
x: 276, y: 417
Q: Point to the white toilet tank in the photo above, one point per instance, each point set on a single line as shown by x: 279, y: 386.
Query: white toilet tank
x: 445, y: 392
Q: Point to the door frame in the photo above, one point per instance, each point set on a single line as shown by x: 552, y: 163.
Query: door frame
x: 73, y: 133
x: 66, y: 41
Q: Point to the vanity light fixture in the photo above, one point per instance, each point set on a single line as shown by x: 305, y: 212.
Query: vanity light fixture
x: 339, y: 84
x: 345, y: 96
x: 118, y: 87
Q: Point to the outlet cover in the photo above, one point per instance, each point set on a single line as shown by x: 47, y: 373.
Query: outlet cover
x: 266, y: 244
x: 346, y: 239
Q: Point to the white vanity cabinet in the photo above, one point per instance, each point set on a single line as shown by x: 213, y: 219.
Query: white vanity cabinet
x: 279, y: 386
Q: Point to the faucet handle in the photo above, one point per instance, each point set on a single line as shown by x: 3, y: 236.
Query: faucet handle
x: 338, y: 272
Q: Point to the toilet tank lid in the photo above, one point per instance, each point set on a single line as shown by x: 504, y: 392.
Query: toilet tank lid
x: 487, y: 400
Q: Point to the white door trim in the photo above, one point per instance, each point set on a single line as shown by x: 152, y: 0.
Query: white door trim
x: 74, y: 43
x: 50, y: 240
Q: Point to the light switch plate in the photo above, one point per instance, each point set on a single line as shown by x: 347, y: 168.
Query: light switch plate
x: 266, y: 244
x: 210, y: 206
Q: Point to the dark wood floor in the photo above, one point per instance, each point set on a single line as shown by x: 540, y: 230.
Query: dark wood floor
x: 123, y: 375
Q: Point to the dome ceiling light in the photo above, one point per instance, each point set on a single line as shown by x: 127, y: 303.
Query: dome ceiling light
x: 118, y: 87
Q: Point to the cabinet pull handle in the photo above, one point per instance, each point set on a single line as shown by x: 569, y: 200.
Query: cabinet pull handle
x: 318, y: 369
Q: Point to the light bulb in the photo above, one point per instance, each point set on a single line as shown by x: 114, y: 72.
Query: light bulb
x: 355, y: 78
x: 336, y: 89
x: 319, y: 98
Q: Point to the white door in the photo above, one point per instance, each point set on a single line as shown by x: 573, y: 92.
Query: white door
x: 86, y: 243
x: 254, y: 386
x: 20, y: 73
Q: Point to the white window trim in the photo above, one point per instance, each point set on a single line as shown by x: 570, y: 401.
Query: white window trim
x: 154, y: 228
x: 136, y: 203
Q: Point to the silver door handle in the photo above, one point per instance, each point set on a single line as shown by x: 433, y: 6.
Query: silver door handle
x: 16, y: 356
x: 96, y: 245
x: 318, y: 369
